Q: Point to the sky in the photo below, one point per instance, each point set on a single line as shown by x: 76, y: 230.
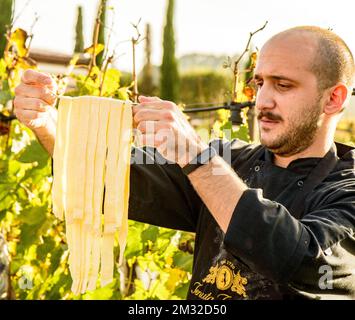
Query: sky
x: 219, y: 27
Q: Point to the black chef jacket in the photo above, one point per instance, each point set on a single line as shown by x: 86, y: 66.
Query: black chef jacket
x: 268, y: 251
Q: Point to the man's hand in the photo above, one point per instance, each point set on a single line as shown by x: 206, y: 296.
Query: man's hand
x: 163, y: 125
x: 34, y: 106
x: 34, y: 100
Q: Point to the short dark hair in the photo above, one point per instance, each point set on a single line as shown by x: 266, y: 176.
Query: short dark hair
x: 333, y: 61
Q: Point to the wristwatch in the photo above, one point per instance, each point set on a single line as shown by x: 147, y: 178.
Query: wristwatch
x: 202, y: 158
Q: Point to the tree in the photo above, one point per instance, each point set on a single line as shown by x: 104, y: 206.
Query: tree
x: 147, y: 86
x: 101, y: 39
x: 169, y: 80
x: 6, y: 9
x: 79, y: 38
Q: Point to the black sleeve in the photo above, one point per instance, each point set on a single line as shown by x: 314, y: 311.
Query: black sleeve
x: 160, y: 193
x: 270, y: 241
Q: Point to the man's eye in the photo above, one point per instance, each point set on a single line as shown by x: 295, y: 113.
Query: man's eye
x: 283, y: 86
x: 258, y: 83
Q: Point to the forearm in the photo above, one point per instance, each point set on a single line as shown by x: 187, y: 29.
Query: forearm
x: 220, y: 189
x: 46, y: 136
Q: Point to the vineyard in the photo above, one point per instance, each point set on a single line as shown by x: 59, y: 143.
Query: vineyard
x: 158, y: 261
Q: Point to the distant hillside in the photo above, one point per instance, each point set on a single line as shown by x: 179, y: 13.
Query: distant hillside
x: 195, y: 61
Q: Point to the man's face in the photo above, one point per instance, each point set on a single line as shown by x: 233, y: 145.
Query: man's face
x: 288, y: 100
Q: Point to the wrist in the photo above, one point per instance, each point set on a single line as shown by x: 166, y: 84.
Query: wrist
x: 191, y: 154
x: 201, y: 159
x: 46, y: 136
x: 45, y: 132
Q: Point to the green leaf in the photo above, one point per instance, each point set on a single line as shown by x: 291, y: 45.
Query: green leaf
x: 6, y: 202
x: 29, y: 235
x: 60, y: 283
x: 134, y: 243
x: 18, y: 39
x: 2, y: 69
x: 33, y: 215
x: 5, y: 93
x: 95, y: 49
x: 111, y: 82
x: 34, y: 153
x: 2, y: 214
x: 103, y: 293
x: 242, y: 131
x: 56, y: 256
x: 183, y: 260
x: 46, y: 247
x: 151, y: 233
x: 181, y: 290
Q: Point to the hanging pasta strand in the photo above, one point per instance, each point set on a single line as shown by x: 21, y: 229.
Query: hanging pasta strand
x: 124, y: 167
x: 91, y: 184
x: 89, y: 189
x: 82, y: 107
x: 58, y: 160
x: 112, y: 198
x: 111, y: 208
x: 99, y: 175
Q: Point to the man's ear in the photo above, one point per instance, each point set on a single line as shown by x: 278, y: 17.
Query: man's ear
x: 336, y: 99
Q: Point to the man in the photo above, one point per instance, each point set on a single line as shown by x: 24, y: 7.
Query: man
x: 278, y: 221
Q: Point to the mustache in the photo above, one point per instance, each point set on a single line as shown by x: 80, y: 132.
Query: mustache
x: 269, y: 116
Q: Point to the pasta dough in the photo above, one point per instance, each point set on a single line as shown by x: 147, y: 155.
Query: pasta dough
x: 91, y: 166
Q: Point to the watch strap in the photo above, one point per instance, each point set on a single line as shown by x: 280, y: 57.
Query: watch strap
x: 202, y: 158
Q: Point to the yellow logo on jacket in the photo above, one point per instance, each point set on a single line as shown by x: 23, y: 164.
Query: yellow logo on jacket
x: 225, y: 278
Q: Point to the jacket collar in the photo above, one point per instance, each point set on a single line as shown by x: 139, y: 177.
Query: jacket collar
x: 345, y: 153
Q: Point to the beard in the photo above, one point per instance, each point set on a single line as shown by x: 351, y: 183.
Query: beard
x: 299, y: 135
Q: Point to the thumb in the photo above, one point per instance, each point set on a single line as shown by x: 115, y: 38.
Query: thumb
x: 148, y: 99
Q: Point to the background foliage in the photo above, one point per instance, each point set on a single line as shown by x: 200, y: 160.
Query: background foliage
x: 158, y: 261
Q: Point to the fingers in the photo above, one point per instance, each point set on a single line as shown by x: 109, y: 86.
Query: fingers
x: 148, y: 99
x: 35, y: 77
x: 152, y: 126
x: 30, y: 118
x: 33, y: 98
x: 154, y: 104
x: 144, y: 114
x: 151, y: 139
x: 34, y: 104
x: 37, y: 92
x: 32, y: 112
x: 149, y: 105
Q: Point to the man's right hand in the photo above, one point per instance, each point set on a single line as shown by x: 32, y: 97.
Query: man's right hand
x: 34, y: 106
x: 34, y: 99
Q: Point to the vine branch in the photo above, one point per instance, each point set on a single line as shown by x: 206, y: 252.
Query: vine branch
x: 135, y: 41
x: 236, y: 63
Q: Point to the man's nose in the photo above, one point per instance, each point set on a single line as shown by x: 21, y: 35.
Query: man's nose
x: 264, y: 99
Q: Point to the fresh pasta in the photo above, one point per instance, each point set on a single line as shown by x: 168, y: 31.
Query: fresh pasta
x: 91, y: 167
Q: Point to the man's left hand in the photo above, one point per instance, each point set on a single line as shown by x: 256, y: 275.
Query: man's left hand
x: 163, y: 125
